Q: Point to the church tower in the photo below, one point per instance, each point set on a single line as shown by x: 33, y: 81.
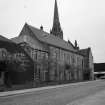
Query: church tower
x: 56, y: 29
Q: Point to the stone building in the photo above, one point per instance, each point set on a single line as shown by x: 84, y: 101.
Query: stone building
x: 88, y: 64
x: 15, y: 64
x: 55, y: 59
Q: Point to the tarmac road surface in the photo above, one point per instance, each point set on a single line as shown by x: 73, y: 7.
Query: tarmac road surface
x: 63, y: 95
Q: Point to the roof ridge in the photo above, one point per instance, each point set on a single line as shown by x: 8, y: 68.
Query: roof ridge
x: 49, y: 34
x: 51, y: 39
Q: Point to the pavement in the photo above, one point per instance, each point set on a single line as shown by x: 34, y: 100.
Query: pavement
x: 97, y: 99
x: 16, y: 92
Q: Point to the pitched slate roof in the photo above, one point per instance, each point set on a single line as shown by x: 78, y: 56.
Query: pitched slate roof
x: 11, y: 46
x: 47, y: 38
x: 8, y: 44
x: 51, y: 39
x: 17, y: 40
x: 3, y: 39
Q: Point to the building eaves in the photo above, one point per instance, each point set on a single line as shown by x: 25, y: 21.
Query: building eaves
x: 4, y: 39
x: 51, y: 39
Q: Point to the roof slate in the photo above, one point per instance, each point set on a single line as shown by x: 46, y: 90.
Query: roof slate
x: 8, y: 44
x: 11, y: 46
x: 51, y: 39
x: 5, y: 39
x: 17, y: 40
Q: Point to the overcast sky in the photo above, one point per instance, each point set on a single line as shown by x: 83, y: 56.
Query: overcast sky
x: 81, y: 20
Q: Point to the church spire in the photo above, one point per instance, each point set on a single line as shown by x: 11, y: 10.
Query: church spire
x: 56, y: 29
x: 56, y: 16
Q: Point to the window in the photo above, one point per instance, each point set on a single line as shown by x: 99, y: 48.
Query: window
x: 72, y: 58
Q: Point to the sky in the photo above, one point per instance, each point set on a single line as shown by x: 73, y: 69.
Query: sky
x: 81, y: 20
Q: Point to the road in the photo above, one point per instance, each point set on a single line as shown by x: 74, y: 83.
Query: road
x: 56, y: 96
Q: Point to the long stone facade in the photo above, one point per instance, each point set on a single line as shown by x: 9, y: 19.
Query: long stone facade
x: 52, y: 63
x: 54, y: 58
